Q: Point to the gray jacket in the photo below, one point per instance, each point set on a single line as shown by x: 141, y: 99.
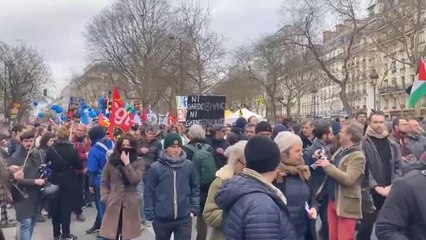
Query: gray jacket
x: 416, y: 144
x: 374, y: 176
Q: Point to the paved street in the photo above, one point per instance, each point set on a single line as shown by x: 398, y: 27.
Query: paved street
x: 43, y: 231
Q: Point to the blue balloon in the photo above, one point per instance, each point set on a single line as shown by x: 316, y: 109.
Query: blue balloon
x: 40, y: 115
x: 58, y: 109
x: 92, y: 113
x: 35, y: 103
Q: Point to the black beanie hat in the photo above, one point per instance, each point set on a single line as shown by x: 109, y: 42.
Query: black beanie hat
x: 262, y: 154
x: 96, y: 133
x: 263, y: 127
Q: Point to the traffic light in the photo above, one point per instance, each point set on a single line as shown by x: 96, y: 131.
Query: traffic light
x: 45, y: 92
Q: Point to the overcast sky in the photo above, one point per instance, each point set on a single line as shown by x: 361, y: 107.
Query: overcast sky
x: 54, y: 27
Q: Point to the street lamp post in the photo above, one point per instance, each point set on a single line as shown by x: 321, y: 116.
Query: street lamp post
x: 314, y: 92
x: 373, y: 78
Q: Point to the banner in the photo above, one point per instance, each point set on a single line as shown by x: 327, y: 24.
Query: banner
x: 204, y: 110
x: 120, y: 120
x: 16, y: 106
x: 74, y: 105
x: 182, y: 105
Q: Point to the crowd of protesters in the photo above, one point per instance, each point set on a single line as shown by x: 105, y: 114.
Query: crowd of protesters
x: 249, y: 180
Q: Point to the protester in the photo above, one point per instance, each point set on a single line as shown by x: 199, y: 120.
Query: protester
x: 383, y: 167
x: 65, y: 161
x: 263, y: 129
x: 342, y: 185
x: 40, y: 131
x: 15, y: 142
x: 97, y: 158
x: 46, y: 141
x: 403, y: 214
x: 249, y: 131
x: 212, y: 213
x: 253, y: 207
x: 415, y: 141
x: 399, y: 134
x: 218, y: 142
x: 294, y: 182
x: 198, y: 151
x: 307, y: 132
x: 81, y: 143
x: 27, y: 208
x: 322, y: 142
x: 172, y: 192
x: 150, y: 149
x: 120, y: 179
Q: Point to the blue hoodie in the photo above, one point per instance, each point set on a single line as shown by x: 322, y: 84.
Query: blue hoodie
x: 96, y: 161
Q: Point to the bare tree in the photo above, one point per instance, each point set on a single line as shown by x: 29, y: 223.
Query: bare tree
x: 133, y: 35
x: 24, y: 76
x: 203, y: 47
x: 398, y: 31
x: 307, y: 18
x: 266, y: 64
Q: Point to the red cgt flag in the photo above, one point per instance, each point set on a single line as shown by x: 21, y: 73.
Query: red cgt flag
x: 120, y: 120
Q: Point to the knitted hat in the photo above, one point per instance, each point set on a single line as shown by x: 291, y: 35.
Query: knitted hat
x: 96, y: 133
x: 285, y: 140
x: 263, y: 127
x: 262, y: 154
x: 279, y: 128
x: 172, y: 139
x: 241, y: 123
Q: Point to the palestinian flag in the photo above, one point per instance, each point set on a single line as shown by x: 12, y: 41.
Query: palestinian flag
x: 418, y: 89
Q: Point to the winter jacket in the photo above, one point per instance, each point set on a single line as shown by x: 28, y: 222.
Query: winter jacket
x: 402, y: 216
x: 96, y: 161
x: 374, y: 176
x: 218, y: 143
x: 212, y: 213
x: 204, y: 189
x: 317, y: 174
x: 153, y: 154
x: 65, y: 161
x: 298, y: 192
x: 171, y: 190
x: 120, y: 198
x: 82, y: 147
x: 14, y: 145
x: 253, y: 210
x: 348, y: 176
x: 305, y: 141
x: 416, y: 144
x: 28, y: 207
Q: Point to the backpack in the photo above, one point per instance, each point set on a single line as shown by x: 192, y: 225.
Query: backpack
x: 108, y: 151
x: 204, y: 162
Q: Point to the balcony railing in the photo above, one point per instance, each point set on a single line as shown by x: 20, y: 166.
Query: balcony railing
x: 387, y: 90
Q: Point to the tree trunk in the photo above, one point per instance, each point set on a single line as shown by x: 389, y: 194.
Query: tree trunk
x: 345, y: 101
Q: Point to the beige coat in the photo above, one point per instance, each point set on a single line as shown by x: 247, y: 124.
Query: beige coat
x: 348, y: 176
x: 115, y: 195
x: 212, y: 213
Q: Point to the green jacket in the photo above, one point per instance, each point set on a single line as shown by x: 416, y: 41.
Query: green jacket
x: 212, y: 213
x: 348, y: 176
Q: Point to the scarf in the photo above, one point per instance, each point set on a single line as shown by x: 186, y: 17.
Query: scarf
x: 370, y: 132
x: 257, y: 176
x: 285, y: 170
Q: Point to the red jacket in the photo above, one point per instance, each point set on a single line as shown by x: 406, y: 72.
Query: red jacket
x: 83, y: 148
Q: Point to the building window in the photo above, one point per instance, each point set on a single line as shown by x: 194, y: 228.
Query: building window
x: 422, y: 37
